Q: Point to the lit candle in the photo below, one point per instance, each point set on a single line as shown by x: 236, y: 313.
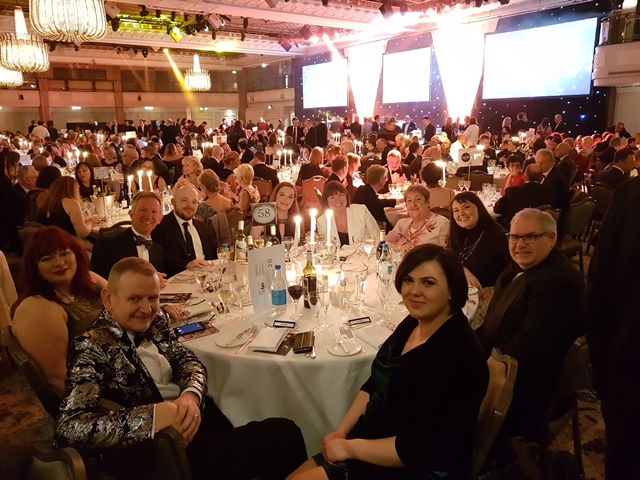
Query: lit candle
x: 129, y: 182
x: 296, y: 237
x: 443, y: 165
x: 139, y: 179
x: 329, y: 214
x: 84, y: 154
x: 313, y: 212
x: 69, y: 155
x: 149, y: 178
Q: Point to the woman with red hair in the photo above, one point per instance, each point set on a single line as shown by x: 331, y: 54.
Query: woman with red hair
x: 59, y: 299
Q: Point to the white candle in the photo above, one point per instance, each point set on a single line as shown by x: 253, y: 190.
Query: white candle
x: 149, y: 177
x: 313, y: 212
x: 129, y: 182
x: 329, y: 214
x: 296, y: 237
x: 278, y: 158
x: 139, y: 180
x: 84, y: 154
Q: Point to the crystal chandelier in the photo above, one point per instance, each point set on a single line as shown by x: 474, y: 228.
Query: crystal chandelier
x: 22, y: 51
x: 197, y: 79
x: 10, y: 78
x: 73, y: 21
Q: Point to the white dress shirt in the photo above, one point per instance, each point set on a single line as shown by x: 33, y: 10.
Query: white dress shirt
x: 142, y: 250
x: 195, y: 236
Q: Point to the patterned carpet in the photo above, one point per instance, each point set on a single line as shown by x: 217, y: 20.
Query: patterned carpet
x: 23, y: 422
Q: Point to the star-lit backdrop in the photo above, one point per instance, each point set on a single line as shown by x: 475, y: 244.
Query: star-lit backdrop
x: 583, y: 114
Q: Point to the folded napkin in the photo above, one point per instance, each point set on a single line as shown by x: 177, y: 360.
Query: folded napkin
x: 195, y: 310
x: 268, y: 339
x: 374, y: 335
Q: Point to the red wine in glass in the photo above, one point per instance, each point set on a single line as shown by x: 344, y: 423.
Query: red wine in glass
x: 296, y: 292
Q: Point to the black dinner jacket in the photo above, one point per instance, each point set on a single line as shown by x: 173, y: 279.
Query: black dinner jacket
x: 402, y: 169
x: 612, y: 177
x: 168, y: 234
x: 528, y: 195
x: 429, y: 132
x: 108, y: 251
x: 289, y: 133
x: 412, y: 127
x: 266, y: 173
x: 322, y: 132
x: 311, y: 138
x: 557, y: 183
x: 366, y: 195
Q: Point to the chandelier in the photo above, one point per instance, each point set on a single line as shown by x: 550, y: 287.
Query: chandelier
x: 73, y: 21
x: 197, y: 79
x: 10, y: 78
x: 22, y: 51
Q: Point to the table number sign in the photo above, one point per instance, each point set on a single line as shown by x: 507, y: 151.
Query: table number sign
x: 262, y: 262
x: 102, y: 173
x: 264, y: 214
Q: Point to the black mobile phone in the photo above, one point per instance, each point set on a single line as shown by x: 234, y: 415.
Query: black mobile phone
x: 189, y: 328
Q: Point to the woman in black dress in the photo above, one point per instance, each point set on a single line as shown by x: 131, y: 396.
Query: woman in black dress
x: 85, y: 179
x: 416, y: 416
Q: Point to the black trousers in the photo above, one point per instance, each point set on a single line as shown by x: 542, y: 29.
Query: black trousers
x: 269, y: 449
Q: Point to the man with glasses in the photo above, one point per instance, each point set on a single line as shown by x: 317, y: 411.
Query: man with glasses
x: 535, y: 315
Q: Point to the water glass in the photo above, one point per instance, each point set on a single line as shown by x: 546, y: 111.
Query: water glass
x: 287, y: 242
x: 316, y: 305
x: 383, y: 290
x: 346, y: 287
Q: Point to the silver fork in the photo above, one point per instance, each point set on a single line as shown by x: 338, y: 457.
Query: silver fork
x: 252, y: 334
x: 349, y: 334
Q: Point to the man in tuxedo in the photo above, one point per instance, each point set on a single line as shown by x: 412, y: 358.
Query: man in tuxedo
x: 170, y: 133
x: 619, y: 130
x: 367, y: 194
x: 132, y: 357
x: 246, y: 154
x: 339, y: 170
x: 408, y: 126
x: 181, y: 234
x: 565, y: 164
x: 553, y: 179
x: 529, y: 195
x: 262, y: 170
x: 310, y: 134
x: 396, y: 171
x: 215, y: 161
x: 611, y: 316
x: 618, y: 172
x: 295, y: 131
x: 429, y: 129
x: 322, y: 133
x: 535, y: 314
x: 356, y: 128
x: 146, y: 214
x: 521, y: 124
x: 560, y: 126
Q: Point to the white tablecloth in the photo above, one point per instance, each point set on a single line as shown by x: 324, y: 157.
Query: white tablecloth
x: 314, y: 393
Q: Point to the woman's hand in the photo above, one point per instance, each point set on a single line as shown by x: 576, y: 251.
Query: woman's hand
x: 471, y: 279
x: 336, y: 450
x: 335, y: 434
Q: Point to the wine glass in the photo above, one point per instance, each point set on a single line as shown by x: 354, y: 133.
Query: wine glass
x: 346, y: 287
x: 383, y: 289
x: 315, y: 304
x: 225, y: 292
x: 200, y: 275
x: 324, y: 290
x: 296, y: 289
x: 368, y: 246
x: 239, y: 295
x: 287, y: 242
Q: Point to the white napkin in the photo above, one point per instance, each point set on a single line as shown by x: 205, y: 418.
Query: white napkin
x: 268, y: 339
x: 199, y: 309
x: 374, y: 335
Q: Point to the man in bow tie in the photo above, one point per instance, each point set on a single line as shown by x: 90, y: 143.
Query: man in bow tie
x: 136, y: 241
x: 159, y: 384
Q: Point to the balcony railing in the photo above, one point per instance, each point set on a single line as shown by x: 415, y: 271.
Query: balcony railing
x: 619, y: 28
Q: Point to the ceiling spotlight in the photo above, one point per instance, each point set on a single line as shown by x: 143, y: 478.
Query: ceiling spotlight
x: 386, y: 9
x: 135, y: 50
x: 306, y: 32
x: 214, y: 21
x: 285, y: 44
x: 145, y: 52
x: 245, y: 23
x: 111, y: 9
x: 143, y: 11
x: 76, y: 48
x: 115, y: 24
x: 225, y: 19
x: 158, y: 13
x: 243, y: 36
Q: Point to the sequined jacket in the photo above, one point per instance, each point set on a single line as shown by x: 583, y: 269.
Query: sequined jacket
x: 104, y: 364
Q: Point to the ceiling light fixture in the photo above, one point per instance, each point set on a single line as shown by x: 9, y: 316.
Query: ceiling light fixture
x: 10, y: 78
x: 175, y: 33
x: 197, y: 79
x: 22, y: 51
x: 145, y: 52
x: 76, y: 22
x: 115, y: 24
x: 325, y: 3
x: 213, y: 34
x: 306, y: 32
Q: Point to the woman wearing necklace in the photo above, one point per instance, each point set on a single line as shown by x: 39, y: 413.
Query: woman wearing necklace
x: 422, y: 226
x: 478, y: 240
x: 285, y: 198
x: 60, y: 298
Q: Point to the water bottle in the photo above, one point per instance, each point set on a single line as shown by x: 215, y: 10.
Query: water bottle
x: 224, y: 255
x: 385, y: 265
x: 279, y: 291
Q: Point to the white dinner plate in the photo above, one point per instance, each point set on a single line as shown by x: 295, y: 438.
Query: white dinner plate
x: 473, y: 290
x: 347, y: 250
x: 183, y: 276
x: 352, y: 347
x: 224, y: 341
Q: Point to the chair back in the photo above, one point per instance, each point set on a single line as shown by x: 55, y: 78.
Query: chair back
x: 234, y: 215
x: 445, y: 212
x: 56, y: 464
x: 603, y: 196
x: 113, y: 230
x: 554, y: 212
x: 503, y: 370
x: 219, y: 224
x: 28, y: 229
x: 309, y: 187
x: 172, y: 176
x: 264, y: 187
x: 578, y: 217
x: 31, y: 371
x: 478, y: 178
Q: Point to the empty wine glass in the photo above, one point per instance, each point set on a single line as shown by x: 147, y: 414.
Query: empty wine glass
x: 239, y: 291
x: 324, y: 290
x: 368, y: 246
x: 346, y: 287
x: 225, y: 292
x: 296, y: 289
x: 316, y: 305
x: 383, y: 289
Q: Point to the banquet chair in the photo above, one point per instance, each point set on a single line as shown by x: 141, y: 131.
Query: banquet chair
x: 554, y: 212
x: 443, y: 211
x: 113, y: 230
x: 563, y: 406
x: 219, y: 224
x: 309, y: 187
x: 28, y: 229
x: 503, y: 370
x: 55, y: 464
x: 478, y: 178
x: 603, y: 196
x: 264, y: 187
x: 575, y: 225
x: 164, y: 456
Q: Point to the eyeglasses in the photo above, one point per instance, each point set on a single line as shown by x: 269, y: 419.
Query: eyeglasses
x: 529, y: 238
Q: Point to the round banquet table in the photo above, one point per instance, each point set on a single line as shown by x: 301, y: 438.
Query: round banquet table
x: 315, y: 393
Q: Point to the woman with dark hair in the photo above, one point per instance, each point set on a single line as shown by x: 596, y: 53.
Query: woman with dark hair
x: 286, y: 200
x: 236, y: 133
x: 416, y: 416
x: 545, y: 127
x: 36, y: 198
x: 85, y: 179
x: 349, y: 222
x: 59, y: 299
x: 440, y: 196
x: 478, y: 240
x: 63, y: 209
x: 516, y: 175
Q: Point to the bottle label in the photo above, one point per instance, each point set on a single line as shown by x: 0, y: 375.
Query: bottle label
x: 278, y: 298
x: 241, y: 252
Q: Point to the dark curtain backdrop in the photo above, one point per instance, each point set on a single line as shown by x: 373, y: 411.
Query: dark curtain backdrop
x: 583, y: 114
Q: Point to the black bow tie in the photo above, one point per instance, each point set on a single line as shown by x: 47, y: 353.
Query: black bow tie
x: 140, y: 240
x: 141, y: 337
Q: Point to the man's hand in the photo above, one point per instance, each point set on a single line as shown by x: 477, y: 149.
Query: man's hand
x: 163, y: 280
x: 175, y: 312
x: 188, y: 415
x: 197, y: 263
x: 336, y: 450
